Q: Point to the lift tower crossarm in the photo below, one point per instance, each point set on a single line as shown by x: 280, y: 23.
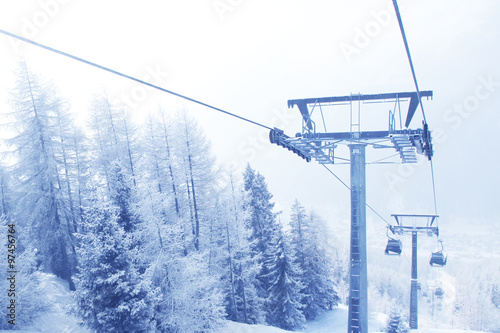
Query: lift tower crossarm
x: 413, y: 96
x: 397, y: 217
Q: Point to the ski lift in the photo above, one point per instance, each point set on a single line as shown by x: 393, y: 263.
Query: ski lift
x: 439, y: 292
x: 393, y: 247
x: 438, y: 258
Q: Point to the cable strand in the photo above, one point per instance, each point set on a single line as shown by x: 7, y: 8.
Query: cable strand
x: 90, y: 63
x: 434, y: 188
x: 401, y: 28
x: 347, y: 186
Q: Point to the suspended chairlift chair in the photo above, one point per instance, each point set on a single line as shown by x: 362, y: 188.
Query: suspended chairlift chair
x: 438, y: 258
x: 439, y: 292
x: 393, y: 247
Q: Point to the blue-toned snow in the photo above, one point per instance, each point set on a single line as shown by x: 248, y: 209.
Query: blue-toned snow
x: 58, y: 320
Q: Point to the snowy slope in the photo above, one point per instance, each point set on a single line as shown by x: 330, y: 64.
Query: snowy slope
x: 57, y: 320
x: 332, y: 322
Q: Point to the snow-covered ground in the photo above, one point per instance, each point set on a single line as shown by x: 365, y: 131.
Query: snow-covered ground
x: 58, y: 320
x: 335, y: 322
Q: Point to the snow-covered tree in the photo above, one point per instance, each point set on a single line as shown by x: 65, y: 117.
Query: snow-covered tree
x: 189, y: 300
x: 188, y: 281
x: 5, y: 193
x: 262, y: 225
x: 285, y: 290
x: 475, y: 306
x: 42, y: 202
x: 238, y: 268
x: 315, y: 264
x: 396, y: 323
x: 197, y: 164
x: 113, y: 140
x: 112, y: 296
x: 495, y: 295
x: 29, y: 301
x: 121, y: 195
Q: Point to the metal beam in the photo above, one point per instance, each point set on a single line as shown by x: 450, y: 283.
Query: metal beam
x: 413, y: 96
x: 305, y: 114
x: 413, y: 215
x: 347, y: 135
x: 366, y: 135
x: 359, y: 97
x: 414, y: 102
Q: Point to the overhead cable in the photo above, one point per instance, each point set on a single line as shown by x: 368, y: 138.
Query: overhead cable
x: 48, y: 48
x: 347, y: 186
x: 400, y: 21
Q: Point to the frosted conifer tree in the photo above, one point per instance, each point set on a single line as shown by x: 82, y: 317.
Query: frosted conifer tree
x: 263, y: 227
x: 396, y: 323
x: 315, y: 263
x: 42, y: 203
x: 197, y: 165
x: 111, y: 296
x: 30, y: 303
x: 285, y: 296
x: 236, y: 263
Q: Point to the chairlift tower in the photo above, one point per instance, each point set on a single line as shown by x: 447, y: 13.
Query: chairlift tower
x: 310, y: 143
x: 400, y: 229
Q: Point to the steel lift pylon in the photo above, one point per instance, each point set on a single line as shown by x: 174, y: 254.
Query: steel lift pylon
x: 400, y: 229
x: 321, y: 146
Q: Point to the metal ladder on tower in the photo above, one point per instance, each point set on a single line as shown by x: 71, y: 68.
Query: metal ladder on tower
x: 355, y: 120
x: 355, y: 281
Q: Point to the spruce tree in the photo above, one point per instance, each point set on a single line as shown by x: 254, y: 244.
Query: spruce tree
x: 316, y: 265
x: 112, y: 296
x: 262, y: 225
x: 396, y: 323
x: 285, y: 296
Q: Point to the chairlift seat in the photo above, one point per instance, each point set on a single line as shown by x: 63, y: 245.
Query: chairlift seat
x: 438, y: 259
x: 393, y: 247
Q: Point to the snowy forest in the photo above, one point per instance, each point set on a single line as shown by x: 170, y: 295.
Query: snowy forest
x: 150, y: 234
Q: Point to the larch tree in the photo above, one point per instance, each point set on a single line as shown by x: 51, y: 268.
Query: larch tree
x: 42, y: 201
x: 198, y: 168
x: 113, y: 137
x: 114, y: 150
x: 187, y: 289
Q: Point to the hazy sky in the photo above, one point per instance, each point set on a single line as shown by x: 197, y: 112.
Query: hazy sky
x: 250, y: 56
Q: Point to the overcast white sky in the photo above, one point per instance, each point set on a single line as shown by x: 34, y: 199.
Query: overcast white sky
x: 250, y: 56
